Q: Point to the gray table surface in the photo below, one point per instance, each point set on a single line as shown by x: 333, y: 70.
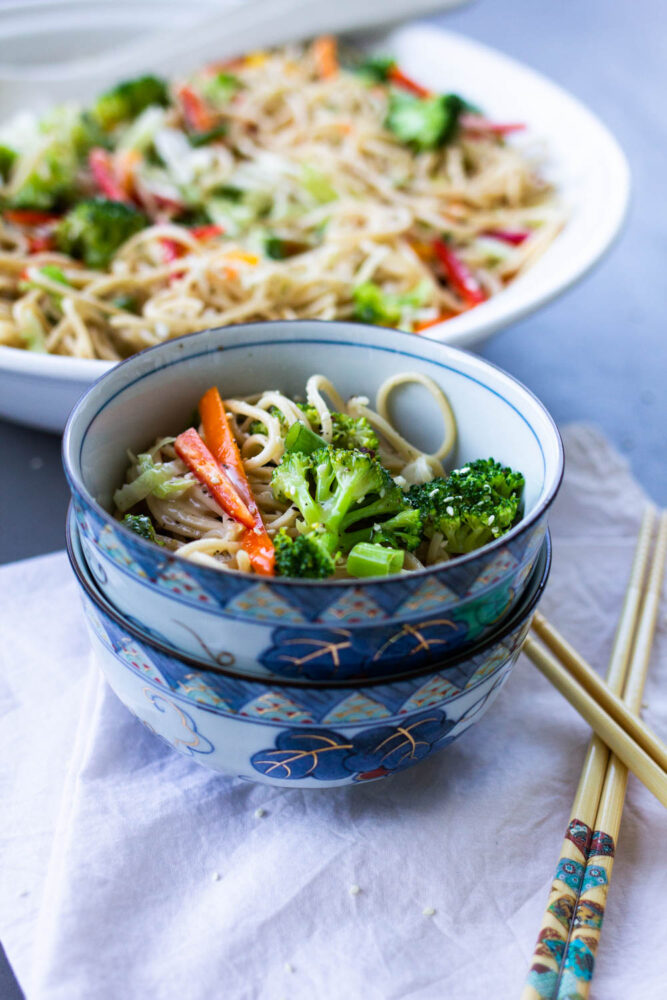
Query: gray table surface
x: 600, y: 352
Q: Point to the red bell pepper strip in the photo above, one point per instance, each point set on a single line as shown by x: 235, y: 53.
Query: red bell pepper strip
x: 459, y: 275
x: 190, y: 447
x: 29, y: 217
x: 401, y: 79
x: 513, y: 236
x: 171, y: 249
x: 224, y: 448
x: 197, y: 116
x: 206, y: 232
x: 477, y: 123
x: 101, y: 167
x: 40, y: 242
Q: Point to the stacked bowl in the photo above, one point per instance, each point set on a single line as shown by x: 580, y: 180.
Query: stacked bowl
x: 318, y: 682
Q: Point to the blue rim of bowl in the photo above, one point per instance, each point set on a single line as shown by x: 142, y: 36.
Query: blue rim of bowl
x: 210, y: 572
x: 513, y: 623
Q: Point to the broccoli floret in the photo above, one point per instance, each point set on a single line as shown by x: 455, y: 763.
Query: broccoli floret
x: 329, y: 486
x: 402, y: 531
x: 95, y: 229
x: 348, y: 432
x: 128, y: 99
x: 424, y: 123
x: 377, y: 69
x: 373, y: 305
x: 472, y: 506
x: 257, y: 427
x: 304, y: 556
x: 367, y: 523
x: 7, y: 157
x: 141, y: 525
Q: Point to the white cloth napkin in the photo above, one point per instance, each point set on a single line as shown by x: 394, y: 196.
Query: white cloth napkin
x: 130, y: 871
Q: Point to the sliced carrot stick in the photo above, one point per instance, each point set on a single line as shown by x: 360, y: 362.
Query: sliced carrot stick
x: 190, y: 447
x: 401, y: 79
x: 426, y: 323
x: 325, y: 51
x: 226, y: 452
x: 197, y: 115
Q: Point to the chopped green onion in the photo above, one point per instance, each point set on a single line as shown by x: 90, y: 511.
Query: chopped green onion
x: 366, y: 559
x: 301, y: 438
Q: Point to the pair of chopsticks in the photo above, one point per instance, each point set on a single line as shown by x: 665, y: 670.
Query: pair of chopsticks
x: 564, y: 956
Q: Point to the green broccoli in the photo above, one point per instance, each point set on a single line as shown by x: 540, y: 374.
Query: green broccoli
x: 377, y: 69
x: 379, y: 519
x: 472, y: 506
x: 348, y: 432
x: 424, y: 123
x: 402, y: 531
x: 373, y: 305
x: 257, y: 427
x: 141, y: 525
x: 304, y: 556
x: 331, y: 487
x: 128, y: 99
x: 94, y: 230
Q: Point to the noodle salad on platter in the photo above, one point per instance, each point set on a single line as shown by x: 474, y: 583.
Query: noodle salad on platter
x: 303, y: 182
x: 269, y: 485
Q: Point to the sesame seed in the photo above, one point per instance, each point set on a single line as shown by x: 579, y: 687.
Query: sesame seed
x: 464, y: 470
x: 216, y: 876
x: 491, y: 519
x: 450, y: 511
x: 355, y: 890
x: 429, y: 911
x: 260, y: 813
x: 161, y: 330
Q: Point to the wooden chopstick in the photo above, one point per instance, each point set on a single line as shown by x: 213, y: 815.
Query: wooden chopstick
x: 580, y: 954
x: 642, y: 765
x: 554, y: 931
x: 600, y: 692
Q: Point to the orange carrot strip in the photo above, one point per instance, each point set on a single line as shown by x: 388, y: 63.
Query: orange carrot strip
x: 425, y: 324
x: 226, y: 452
x: 190, y: 447
x: 325, y: 51
x: 401, y: 79
x: 197, y: 115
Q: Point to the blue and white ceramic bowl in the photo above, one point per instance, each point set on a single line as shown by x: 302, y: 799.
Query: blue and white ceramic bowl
x: 306, y: 734
x: 259, y: 625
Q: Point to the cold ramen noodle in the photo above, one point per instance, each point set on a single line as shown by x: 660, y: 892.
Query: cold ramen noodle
x: 294, y: 183
x: 314, y: 489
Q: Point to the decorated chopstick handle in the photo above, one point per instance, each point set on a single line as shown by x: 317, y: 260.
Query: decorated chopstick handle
x: 545, y: 967
x: 579, y: 960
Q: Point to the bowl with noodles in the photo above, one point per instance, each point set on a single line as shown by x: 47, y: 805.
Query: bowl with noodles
x: 308, y: 181
x: 174, y: 559
x: 295, y: 732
